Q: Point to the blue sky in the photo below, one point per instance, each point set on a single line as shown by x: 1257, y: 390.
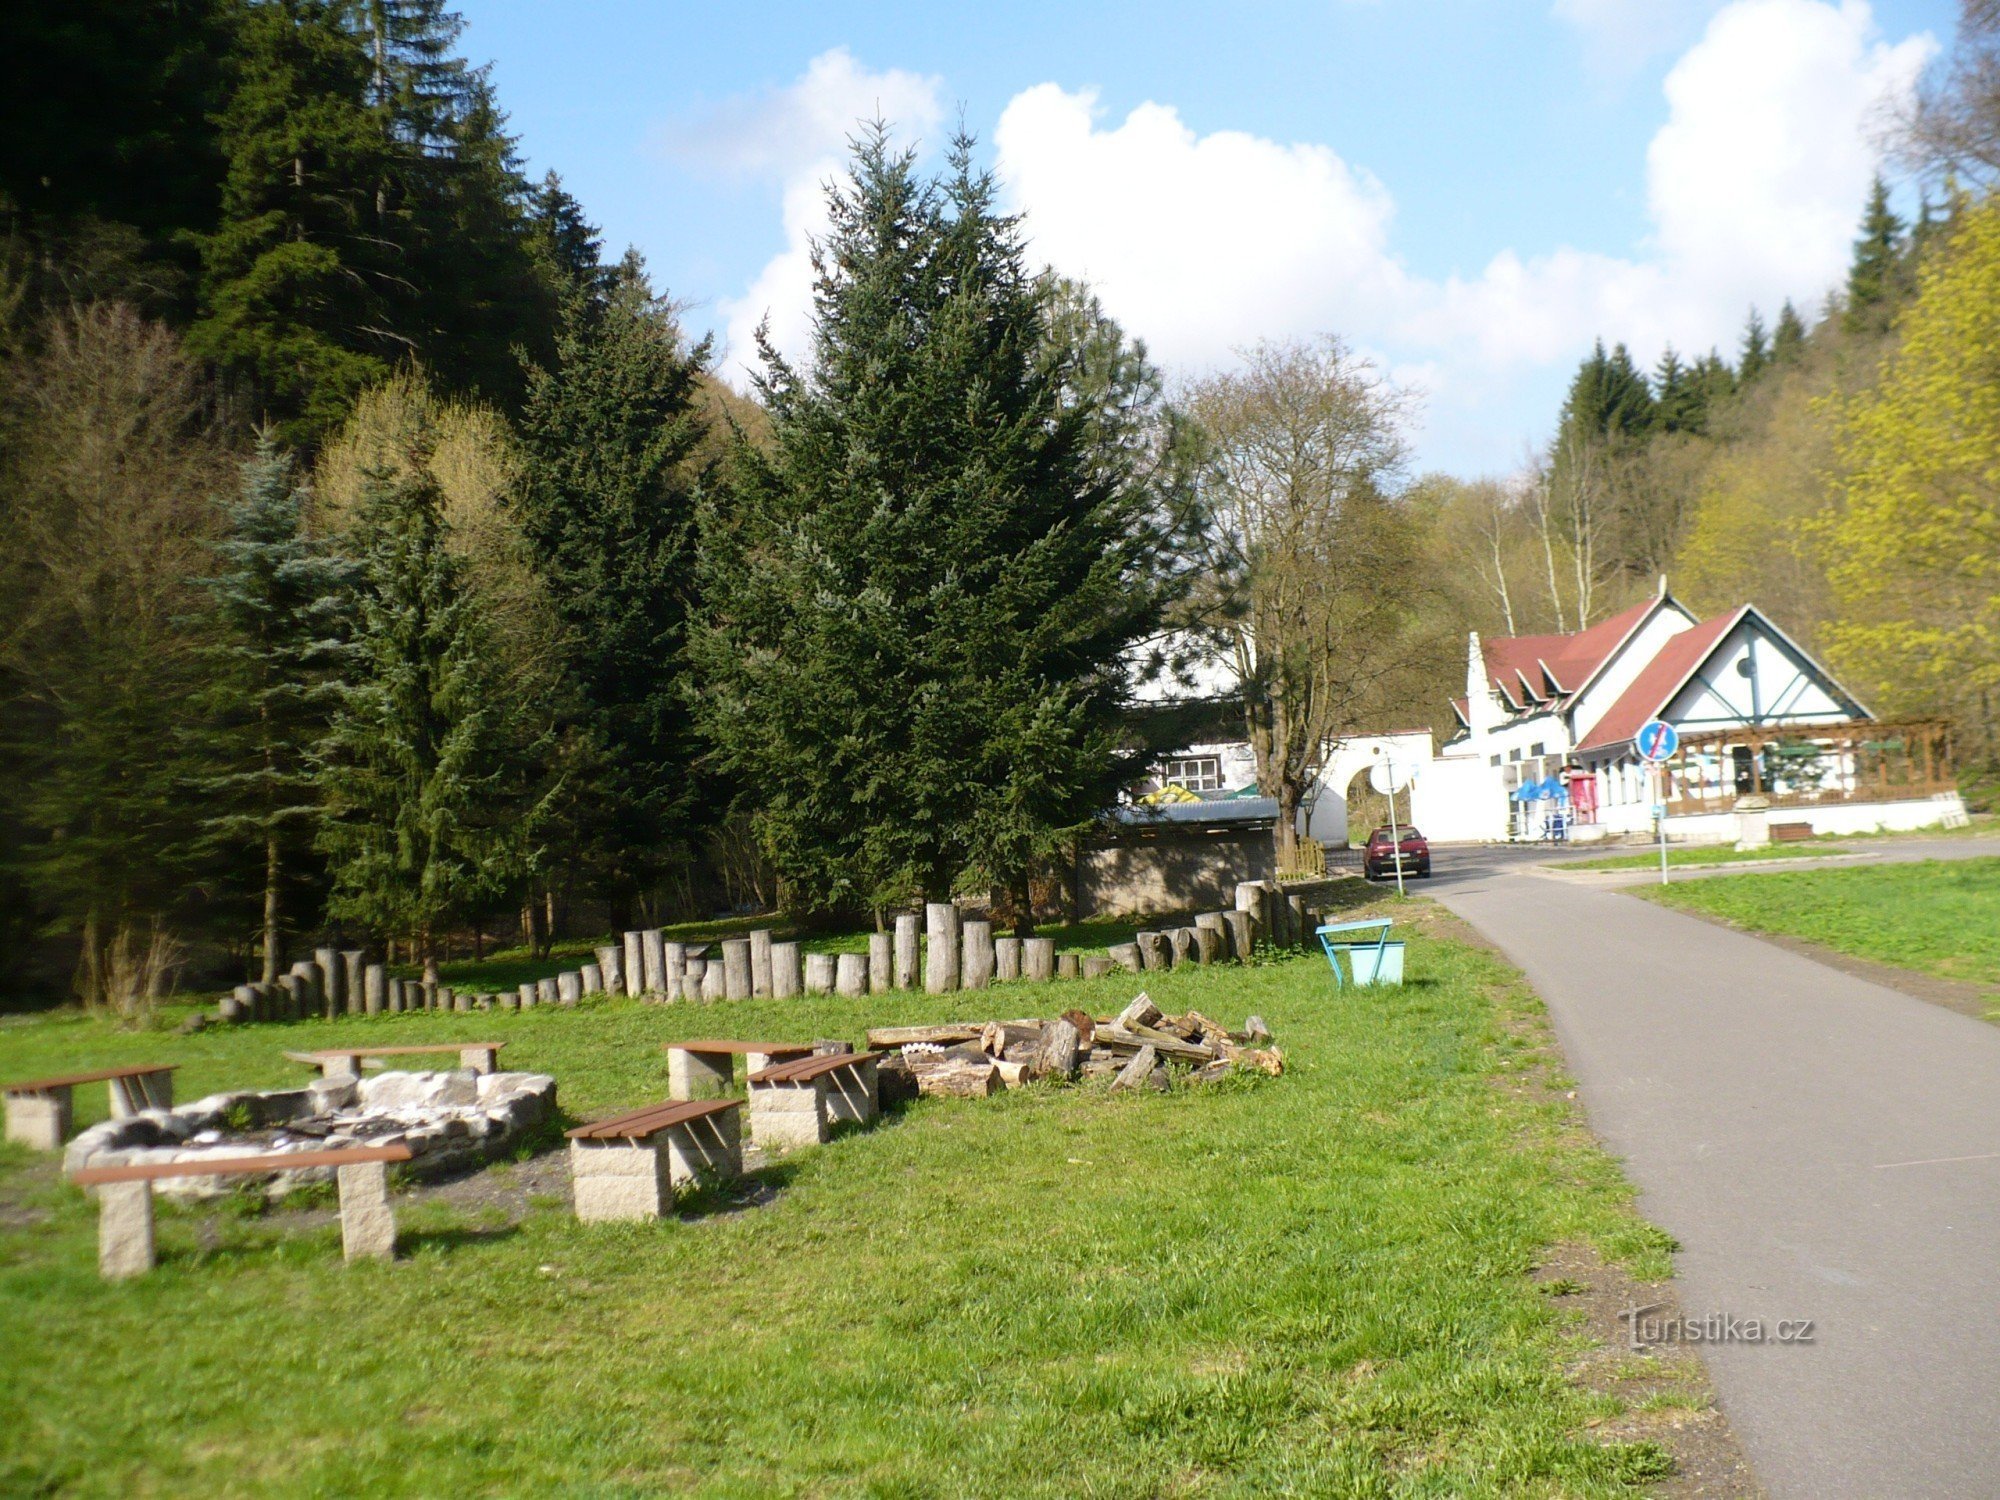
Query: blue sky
x: 1469, y: 191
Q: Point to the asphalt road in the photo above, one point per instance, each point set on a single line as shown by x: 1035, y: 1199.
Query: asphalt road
x: 1822, y: 1147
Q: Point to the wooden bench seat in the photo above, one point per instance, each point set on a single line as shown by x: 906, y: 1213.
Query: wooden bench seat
x: 39, y: 1110
x: 125, y: 1200
x: 347, y: 1062
x: 629, y: 1166
x: 707, y: 1069
x: 796, y: 1103
x: 1791, y: 833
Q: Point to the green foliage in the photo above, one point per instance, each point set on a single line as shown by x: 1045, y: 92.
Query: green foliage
x: 922, y: 595
x: 426, y: 816
x: 1872, y: 276
x: 1755, y: 351
x: 606, y: 499
x: 1608, y: 398
x: 282, y: 604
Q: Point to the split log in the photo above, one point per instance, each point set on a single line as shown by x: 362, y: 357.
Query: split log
x: 941, y: 1074
x: 1154, y: 951
x: 1242, y: 933
x: 906, y: 950
x: 1038, y: 958
x: 1141, y: 1012
x: 995, y: 1037
x: 1101, y: 1064
x: 1085, y: 1024
x: 820, y: 971
x: 1096, y: 966
x: 1221, y: 1068
x: 881, y: 962
x: 787, y: 978
x: 940, y: 947
x: 1255, y: 1030
x: 1125, y: 955
x: 851, y: 975
x: 736, y: 969
x: 1269, y: 1060
x: 883, y: 1037
x: 1006, y: 959
x: 1212, y: 1032
x: 976, y: 955
x: 1138, y: 1070
x: 1056, y: 1055
x: 1120, y: 1040
x: 1012, y: 1074
x: 760, y: 963
x: 1171, y: 1043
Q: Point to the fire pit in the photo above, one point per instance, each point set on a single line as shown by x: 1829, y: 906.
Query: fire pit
x: 449, y: 1120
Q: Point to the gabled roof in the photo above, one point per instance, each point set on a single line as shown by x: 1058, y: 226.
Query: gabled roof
x: 1568, y: 662
x: 1661, y: 680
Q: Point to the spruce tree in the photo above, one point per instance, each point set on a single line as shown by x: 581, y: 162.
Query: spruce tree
x: 922, y: 597
x: 1756, y: 349
x: 282, y: 604
x: 1871, y: 277
x: 1676, y: 399
x: 425, y: 817
x: 1788, y: 339
x: 606, y: 500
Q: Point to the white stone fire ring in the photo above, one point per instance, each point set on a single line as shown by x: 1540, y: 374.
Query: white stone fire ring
x: 449, y: 1120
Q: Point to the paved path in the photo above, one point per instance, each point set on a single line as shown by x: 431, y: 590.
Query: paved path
x: 1821, y: 1146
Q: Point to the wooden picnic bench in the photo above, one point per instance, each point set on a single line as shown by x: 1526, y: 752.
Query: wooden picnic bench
x: 627, y: 1167
x: 707, y: 1069
x: 39, y: 1113
x: 346, y: 1062
x: 796, y: 1103
x: 1791, y: 833
x: 125, y: 1200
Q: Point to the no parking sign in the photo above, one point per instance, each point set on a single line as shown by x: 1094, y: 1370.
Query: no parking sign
x: 1657, y: 740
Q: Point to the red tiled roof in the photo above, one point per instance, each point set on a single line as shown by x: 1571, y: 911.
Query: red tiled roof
x: 1659, y: 680
x: 1572, y: 658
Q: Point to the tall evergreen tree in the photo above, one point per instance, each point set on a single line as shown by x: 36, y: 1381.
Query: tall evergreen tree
x: 1676, y: 396
x: 1608, y: 398
x: 425, y: 821
x: 282, y: 603
x: 606, y: 499
x: 1871, y: 277
x: 923, y: 596
x: 1756, y: 349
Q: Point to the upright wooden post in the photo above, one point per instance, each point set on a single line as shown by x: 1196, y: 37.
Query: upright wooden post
x: 819, y: 973
x: 881, y: 962
x: 1212, y: 923
x: 611, y: 969
x: 787, y: 978
x: 374, y: 989
x: 653, y: 950
x: 760, y: 962
x: 1038, y: 958
x: 353, y: 985
x: 976, y: 968
x: 940, y: 947
x: 1006, y: 958
x: 634, y: 967
x: 736, y: 969
x: 673, y: 958
x: 1242, y: 934
x: 851, y: 975
x: 906, y: 950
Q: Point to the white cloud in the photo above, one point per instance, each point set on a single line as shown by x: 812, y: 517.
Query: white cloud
x: 1204, y: 243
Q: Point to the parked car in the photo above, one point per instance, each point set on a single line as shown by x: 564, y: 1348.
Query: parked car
x: 1379, y: 859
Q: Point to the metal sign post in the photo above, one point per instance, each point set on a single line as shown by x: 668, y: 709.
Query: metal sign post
x: 1656, y: 741
x: 1386, y: 776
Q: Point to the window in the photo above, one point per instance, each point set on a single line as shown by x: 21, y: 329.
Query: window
x: 1536, y: 748
x: 1198, y: 773
x: 1513, y: 755
x: 1496, y: 760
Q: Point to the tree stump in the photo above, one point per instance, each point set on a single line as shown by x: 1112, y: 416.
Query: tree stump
x: 907, y: 949
x: 674, y: 958
x: 634, y: 968
x: 374, y: 989
x: 940, y: 947
x: 736, y: 969
x: 352, y: 985
x: 1125, y: 955
x: 1069, y: 966
x: 1056, y: 1054
x: 976, y: 963
x: 653, y: 953
x: 760, y: 963
x: 611, y: 969
x: 593, y: 979
x: 851, y: 975
x: 1096, y: 967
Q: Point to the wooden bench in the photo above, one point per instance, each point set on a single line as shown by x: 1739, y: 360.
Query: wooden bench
x: 125, y: 1200
x: 628, y: 1167
x: 1791, y: 833
x: 707, y: 1069
x: 346, y: 1062
x: 796, y: 1103
x: 39, y: 1113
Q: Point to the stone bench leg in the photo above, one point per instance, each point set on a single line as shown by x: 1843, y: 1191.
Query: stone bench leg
x: 340, y: 1067
x: 784, y: 1115
x: 479, y: 1059
x: 699, y: 1075
x: 124, y: 1229
x: 851, y: 1094
x: 712, y: 1146
x: 367, y: 1222
x: 39, y: 1120
x: 618, y: 1180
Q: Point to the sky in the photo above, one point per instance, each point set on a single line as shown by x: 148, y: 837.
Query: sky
x: 1469, y: 192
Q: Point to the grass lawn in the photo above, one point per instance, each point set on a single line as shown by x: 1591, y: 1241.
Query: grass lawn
x: 1728, y: 854
x: 1941, y: 916
x: 1311, y: 1285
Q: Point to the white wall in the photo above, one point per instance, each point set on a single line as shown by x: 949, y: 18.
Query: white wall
x: 1624, y: 667
x: 1784, y: 689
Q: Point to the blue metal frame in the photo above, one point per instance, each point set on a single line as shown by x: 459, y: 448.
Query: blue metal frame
x: 1378, y: 925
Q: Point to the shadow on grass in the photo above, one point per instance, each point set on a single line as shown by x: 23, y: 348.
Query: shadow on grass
x: 453, y: 1237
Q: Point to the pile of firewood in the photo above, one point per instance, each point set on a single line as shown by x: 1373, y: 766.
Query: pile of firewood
x: 1135, y: 1047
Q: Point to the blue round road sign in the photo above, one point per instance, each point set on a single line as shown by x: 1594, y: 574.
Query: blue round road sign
x: 1657, y: 739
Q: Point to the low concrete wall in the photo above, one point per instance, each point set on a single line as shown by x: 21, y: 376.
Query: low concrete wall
x: 1172, y: 870
x: 1826, y: 818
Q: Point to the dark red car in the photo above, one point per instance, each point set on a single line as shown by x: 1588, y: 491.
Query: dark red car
x: 1378, y: 860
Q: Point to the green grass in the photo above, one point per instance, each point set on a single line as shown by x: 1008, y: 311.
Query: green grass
x: 1312, y: 1285
x: 1940, y: 916
x: 1728, y: 854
